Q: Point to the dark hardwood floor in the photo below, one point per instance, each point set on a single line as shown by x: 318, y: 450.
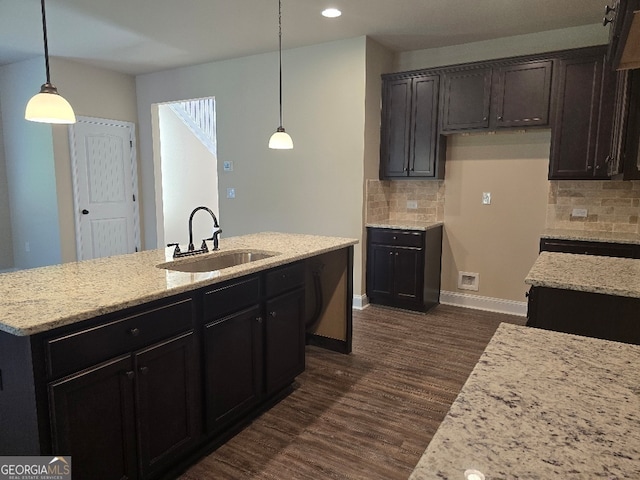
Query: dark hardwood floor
x: 368, y: 415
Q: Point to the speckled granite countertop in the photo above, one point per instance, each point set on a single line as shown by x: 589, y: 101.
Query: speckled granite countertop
x: 586, y: 273
x: 542, y: 405
x: 405, y: 225
x: 612, y: 237
x: 41, y: 299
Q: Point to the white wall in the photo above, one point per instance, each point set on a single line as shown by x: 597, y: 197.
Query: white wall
x: 30, y: 169
x: 315, y: 188
x: 189, y: 179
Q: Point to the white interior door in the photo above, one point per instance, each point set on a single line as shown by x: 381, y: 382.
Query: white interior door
x: 103, y: 159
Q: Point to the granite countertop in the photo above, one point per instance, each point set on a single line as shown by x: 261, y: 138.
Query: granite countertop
x: 41, y: 299
x: 586, y: 273
x: 405, y: 225
x: 543, y: 405
x: 607, y: 237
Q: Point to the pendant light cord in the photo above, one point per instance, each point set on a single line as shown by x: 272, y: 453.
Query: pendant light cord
x: 46, y: 44
x: 279, y: 50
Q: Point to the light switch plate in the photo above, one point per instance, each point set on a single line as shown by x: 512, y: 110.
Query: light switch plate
x: 227, y: 166
x: 486, y: 198
x: 579, y: 212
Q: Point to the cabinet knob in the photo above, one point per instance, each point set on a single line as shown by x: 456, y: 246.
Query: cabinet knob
x: 500, y: 117
x: 598, y: 167
x: 129, y: 374
x: 273, y: 314
x: 390, y: 253
x: 589, y: 167
x: 144, y: 370
x: 484, y: 119
x: 134, y: 332
x: 396, y: 254
x: 259, y: 319
x: 395, y: 238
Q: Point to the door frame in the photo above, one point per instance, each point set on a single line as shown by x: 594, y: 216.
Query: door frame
x: 133, y: 163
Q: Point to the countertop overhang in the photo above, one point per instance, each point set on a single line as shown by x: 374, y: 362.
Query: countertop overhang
x: 405, y: 225
x: 586, y: 273
x: 41, y: 299
x: 592, y: 236
x: 543, y: 405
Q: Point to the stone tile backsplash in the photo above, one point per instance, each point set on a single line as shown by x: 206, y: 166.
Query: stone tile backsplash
x: 387, y: 201
x: 612, y: 205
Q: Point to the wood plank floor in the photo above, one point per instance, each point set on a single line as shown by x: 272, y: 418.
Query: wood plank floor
x: 368, y: 415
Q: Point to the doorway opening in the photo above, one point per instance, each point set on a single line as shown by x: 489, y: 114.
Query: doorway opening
x: 185, y: 166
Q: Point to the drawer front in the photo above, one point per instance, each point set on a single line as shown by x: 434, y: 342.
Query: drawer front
x: 231, y: 298
x: 82, y: 349
x: 283, y: 279
x: 604, y: 249
x: 399, y: 238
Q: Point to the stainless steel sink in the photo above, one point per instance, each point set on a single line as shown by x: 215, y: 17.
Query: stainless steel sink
x: 216, y: 261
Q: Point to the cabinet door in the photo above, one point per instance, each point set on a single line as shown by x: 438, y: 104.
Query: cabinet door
x: 466, y: 100
x: 522, y: 94
x: 168, y: 401
x: 574, y: 131
x: 284, y: 339
x: 424, y: 126
x: 632, y: 140
x: 92, y: 419
x: 232, y: 366
x: 408, y: 274
x: 380, y: 271
x: 396, y: 117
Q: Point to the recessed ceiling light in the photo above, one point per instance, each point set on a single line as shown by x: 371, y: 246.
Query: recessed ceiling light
x: 331, y: 12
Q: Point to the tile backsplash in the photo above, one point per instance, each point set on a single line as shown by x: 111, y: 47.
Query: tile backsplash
x: 387, y: 201
x: 612, y: 205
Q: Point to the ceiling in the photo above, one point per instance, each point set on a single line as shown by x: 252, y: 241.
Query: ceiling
x: 139, y: 36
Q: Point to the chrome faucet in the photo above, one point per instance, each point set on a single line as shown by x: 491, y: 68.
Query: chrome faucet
x: 203, y: 247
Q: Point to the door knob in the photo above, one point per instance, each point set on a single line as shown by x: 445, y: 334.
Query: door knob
x: 85, y: 212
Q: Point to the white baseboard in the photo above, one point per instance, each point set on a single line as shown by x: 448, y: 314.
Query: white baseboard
x: 490, y: 304
x: 360, y: 302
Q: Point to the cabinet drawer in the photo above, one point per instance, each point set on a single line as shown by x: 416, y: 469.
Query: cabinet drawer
x: 231, y: 298
x: 604, y: 249
x: 286, y: 278
x: 399, y: 238
x: 84, y: 348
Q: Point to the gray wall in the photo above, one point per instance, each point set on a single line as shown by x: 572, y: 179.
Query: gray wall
x: 6, y: 242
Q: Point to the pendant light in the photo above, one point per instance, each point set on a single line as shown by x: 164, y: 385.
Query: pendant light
x: 281, y: 139
x: 48, y: 106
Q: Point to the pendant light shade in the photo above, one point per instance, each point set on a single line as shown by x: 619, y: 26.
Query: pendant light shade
x: 48, y: 106
x: 281, y: 139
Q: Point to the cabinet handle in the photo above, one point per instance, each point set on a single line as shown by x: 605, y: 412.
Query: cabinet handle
x: 259, y: 319
x: 144, y: 370
x: 273, y: 314
x: 134, y: 332
x: 499, y: 117
x: 484, y: 119
x: 589, y: 167
x: 129, y: 374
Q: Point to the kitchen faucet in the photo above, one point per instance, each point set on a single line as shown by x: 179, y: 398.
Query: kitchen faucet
x: 203, y: 248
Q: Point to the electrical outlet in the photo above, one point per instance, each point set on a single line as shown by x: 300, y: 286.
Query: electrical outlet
x: 579, y: 212
x: 412, y: 204
x: 231, y: 193
x: 486, y: 198
x: 227, y: 166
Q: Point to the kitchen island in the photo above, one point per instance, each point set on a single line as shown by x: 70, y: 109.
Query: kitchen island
x: 588, y: 295
x: 543, y: 405
x: 135, y: 369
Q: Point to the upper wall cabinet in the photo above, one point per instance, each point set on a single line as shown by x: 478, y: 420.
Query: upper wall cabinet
x: 513, y: 95
x: 624, y: 34
x: 410, y: 145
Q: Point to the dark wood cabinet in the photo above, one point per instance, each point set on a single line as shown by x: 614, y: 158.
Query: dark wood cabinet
x: 496, y: 96
x: 93, y: 419
x: 583, y: 313
x: 622, y: 53
x: 631, y: 146
x: 403, y: 267
x: 466, y: 99
x: 577, y: 120
x: 522, y: 94
x: 410, y: 145
x: 606, y: 249
x: 130, y: 416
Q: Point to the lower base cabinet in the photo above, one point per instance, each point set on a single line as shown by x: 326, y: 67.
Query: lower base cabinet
x: 595, y: 315
x: 138, y: 394
x: 403, y: 267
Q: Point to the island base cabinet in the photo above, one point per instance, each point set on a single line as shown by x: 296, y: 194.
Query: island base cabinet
x: 93, y: 419
x: 233, y: 366
x: 588, y: 314
x: 284, y: 340
x: 130, y: 416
